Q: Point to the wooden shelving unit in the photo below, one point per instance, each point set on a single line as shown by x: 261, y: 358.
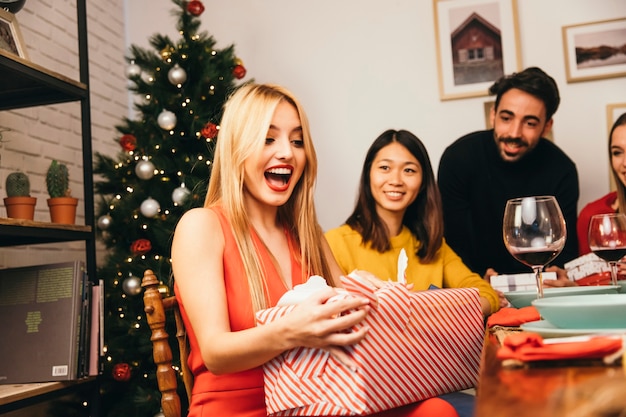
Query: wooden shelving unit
x: 25, y: 84
x: 18, y: 396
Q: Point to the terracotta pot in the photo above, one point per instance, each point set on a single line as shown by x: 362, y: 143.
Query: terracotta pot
x: 20, y: 207
x: 62, y: 209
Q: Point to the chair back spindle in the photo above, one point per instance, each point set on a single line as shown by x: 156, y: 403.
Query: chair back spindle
x: 155, y: 307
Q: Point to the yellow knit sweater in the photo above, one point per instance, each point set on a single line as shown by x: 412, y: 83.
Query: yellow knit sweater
x: 447, y: 270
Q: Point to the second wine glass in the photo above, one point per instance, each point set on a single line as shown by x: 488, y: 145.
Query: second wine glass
x: 534, y: 232
x: 607, y: 239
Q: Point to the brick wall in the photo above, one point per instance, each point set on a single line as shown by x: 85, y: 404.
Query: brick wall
x: 33, y: 137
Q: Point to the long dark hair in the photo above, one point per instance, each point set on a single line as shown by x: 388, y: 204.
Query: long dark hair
x: 423, y: 217
x: 621, y: 188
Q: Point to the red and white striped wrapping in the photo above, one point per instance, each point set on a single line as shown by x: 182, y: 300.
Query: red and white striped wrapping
x: 420, y: 345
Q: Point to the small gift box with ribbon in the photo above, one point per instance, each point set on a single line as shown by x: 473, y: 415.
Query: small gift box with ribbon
x: 589, y: 269
x: 420, y: 345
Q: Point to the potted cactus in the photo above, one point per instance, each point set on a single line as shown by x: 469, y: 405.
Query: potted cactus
x: 61, y: 203
x: 18, y: 202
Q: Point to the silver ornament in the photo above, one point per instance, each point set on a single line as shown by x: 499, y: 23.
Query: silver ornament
x: 104, y: 222
x: 150, y: 207
x: 180, y: 194
x: 133, y: 70
x: 144, y: 169
x: 167, y: 120
x: 177, y: 75
x: 131, y: 285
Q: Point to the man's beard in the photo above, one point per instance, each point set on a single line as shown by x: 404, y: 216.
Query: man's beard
x: 517, y: 142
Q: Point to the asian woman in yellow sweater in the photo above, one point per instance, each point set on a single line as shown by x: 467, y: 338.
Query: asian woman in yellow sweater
x: 399, y: 207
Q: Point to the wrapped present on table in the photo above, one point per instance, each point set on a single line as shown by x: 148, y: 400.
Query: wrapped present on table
x: 589, y: 269
x: 518, y: 282
x: 420, y: 345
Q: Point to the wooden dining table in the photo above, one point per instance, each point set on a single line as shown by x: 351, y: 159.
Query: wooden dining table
x: 555, y: 389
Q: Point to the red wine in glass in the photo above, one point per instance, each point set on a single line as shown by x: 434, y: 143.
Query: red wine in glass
x: 610, y: 255
x: 607, y: 239
x: 532, y: 256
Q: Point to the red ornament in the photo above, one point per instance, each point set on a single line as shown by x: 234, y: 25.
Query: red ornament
x: 195, y: 7
x: 128, y: 142
x: 121, y: 372
x: 140, y: 246
x: 209, y: 130
x: 239, y: 71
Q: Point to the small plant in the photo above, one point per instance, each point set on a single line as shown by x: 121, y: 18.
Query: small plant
x: 17, y: 185
x: 58, y: 180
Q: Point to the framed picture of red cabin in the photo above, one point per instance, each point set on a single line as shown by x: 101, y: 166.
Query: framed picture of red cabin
x: 595, y: 50
x: 477, y: 43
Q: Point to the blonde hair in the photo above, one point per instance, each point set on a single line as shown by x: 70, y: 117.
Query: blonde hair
x: 243, y: 129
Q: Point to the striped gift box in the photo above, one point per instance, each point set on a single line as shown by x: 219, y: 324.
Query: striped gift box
x: 421, y: 344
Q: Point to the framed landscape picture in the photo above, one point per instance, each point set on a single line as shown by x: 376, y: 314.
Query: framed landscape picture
x: 477, y: 43
x: 595, y: 50
x: 10, y: 36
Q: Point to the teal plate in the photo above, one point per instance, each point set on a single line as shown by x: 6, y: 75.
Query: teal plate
x: 521, y: 299
x: 548, y: 330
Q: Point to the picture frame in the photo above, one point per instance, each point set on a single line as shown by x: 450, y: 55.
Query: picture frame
x: 10, y: 36
x: 592, y: 50
x: 477, y: 42
x: 487, y: 105
x: 613, y: 111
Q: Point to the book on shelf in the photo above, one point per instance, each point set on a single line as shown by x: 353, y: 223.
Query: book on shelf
x: 96, y: 336
x: 45, y: 317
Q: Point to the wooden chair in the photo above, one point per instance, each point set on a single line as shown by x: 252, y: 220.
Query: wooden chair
x: 155, y: 307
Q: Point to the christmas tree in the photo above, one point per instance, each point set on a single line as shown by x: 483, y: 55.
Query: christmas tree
x: 162, y: 171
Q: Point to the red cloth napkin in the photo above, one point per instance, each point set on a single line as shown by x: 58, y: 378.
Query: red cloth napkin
x: 513, y: 317
x: 526, y: 346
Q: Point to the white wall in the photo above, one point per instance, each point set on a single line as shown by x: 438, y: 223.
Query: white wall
x: 362, y: 66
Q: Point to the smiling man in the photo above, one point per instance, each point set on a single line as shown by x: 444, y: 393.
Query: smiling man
x: 480, y: 171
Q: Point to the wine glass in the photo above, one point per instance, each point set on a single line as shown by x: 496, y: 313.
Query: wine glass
x: 534, y: 232
x: 607, y: 239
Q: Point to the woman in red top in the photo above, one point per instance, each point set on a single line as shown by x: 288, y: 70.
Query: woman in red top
x: 615, y: 200
x: 255, y: 238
